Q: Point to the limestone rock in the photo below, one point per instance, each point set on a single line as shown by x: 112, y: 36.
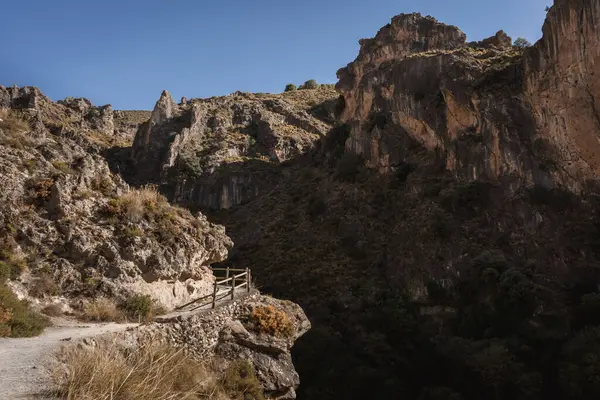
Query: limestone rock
x: 500, y: 41
x: 562, y: 87
x: 224, y: 334
x: 219, y: 152
x: 57, y: 196
x: 488, y: 110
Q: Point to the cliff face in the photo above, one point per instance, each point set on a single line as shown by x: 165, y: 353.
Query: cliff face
x: 219, y: 152
x: 562, y: 87
x: 489, y: 110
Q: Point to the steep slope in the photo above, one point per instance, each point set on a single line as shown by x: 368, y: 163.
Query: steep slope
x: 457, y: 265
x: 77, y: 228
x: 220, y: 152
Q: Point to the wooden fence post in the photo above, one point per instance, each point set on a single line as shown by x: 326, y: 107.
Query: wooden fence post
x: 227, y: 276
x: 214, y: 299
x: 248, y: 280
x: 233, y: 286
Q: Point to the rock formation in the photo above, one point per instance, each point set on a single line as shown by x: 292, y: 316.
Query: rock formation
x: 490, y: 110
x: 228, y: 334
x: 81, y: 226
x: 217, y: 153
x: 562, y: 88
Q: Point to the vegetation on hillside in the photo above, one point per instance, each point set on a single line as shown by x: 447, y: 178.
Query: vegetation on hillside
x: 421, y: 286
x: 152, y: 372
x: 16, y: 317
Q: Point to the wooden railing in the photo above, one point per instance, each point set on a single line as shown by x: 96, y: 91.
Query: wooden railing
x: 234, y: 280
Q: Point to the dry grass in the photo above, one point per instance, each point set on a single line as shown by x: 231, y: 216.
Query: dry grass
x: 13, y: 129
x: 138, y: 308
x: 102, y: 310
x: 148, y: 204
x: 106, y: 141
x: 136, y: 203
x: 268, y: 319
x: 12, y: 123
x: 152, y: 372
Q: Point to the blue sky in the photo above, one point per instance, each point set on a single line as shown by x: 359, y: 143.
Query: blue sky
x: 126, y: 52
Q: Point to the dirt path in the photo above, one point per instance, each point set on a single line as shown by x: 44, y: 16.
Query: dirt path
x: 22, y: 361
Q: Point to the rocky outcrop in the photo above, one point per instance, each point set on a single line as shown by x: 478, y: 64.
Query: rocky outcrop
x: 487, y: 110
x: 562, y: 87
x: 83, y: 228
x: 227, y: 334
x: 127, y: 122
x: 216, y: 153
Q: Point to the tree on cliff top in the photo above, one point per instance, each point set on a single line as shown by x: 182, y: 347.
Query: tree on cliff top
x: 522, y: 43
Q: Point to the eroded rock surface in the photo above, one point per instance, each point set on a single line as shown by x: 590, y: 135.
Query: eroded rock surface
x: 562, y: 87
x: 227, y: 334
x: 489, y: 109
x: 219, y: 152
x: 80, y: 227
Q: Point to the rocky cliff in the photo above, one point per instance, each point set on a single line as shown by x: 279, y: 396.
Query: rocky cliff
x: 489, y: 109
x: 561, y: 88
x: 219, y: 152
x: 78, y: 228
x: 72, y: 233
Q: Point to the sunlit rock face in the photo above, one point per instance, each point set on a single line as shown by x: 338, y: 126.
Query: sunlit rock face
x: 488, y: 109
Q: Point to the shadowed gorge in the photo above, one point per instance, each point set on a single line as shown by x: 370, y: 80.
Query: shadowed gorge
x: 443, y: 236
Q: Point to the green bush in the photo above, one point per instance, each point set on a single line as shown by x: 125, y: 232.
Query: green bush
x: 290, y: 87
x: 310, y: 84
x: 16, y: 318
x: 141, y: 307
x: 522, y: 43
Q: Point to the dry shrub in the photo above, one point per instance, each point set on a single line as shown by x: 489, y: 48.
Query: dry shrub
x: 103, y: 185
x: 5, y: 315
x: 152, y: 372
x: 53, y: 310
x: 14, y: 128
x: 102, y: 310
x: 12, y: 123
x: 137, y: 203
x: 270, y: 320
x: 40, y: 190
